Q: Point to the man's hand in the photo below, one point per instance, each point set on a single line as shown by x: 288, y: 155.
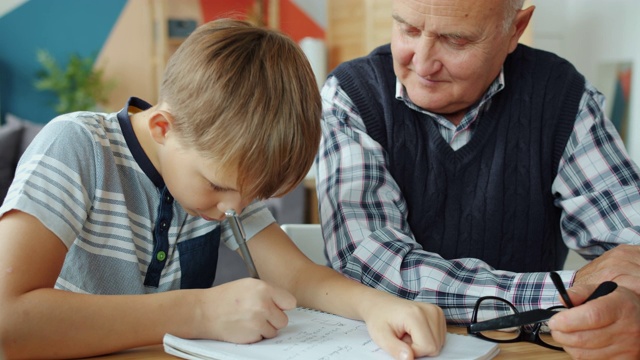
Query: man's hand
x: 604, y: 328
x: 620, y: 264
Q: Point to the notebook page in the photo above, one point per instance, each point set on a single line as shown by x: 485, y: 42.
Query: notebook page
x: 316, y: 335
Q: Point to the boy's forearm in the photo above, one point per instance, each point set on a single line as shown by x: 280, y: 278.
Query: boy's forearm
x: 314, y: 286
x: 48, y: 323
x: 327, y: 290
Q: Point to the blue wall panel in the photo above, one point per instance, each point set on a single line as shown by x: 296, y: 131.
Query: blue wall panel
x: 62, y: 27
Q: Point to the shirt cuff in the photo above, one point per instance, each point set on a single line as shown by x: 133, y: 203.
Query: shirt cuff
x: 254, y: 218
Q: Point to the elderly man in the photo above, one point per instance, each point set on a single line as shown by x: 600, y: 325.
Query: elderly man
x: 456, y: 164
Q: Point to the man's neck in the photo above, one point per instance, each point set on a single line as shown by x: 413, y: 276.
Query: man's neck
x: 456, y: 118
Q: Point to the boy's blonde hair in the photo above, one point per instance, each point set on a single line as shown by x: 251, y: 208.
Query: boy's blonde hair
x: 247, y: 98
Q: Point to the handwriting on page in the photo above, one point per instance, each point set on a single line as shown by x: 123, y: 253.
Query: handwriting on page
x: 330, y: 338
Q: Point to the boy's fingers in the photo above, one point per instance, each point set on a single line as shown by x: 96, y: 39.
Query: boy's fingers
x: 413, y: 342
x: 398, y: 348
x: 428, y: 340
x: 277, y: 319
x: 283, y: 299
x: 267, y: 331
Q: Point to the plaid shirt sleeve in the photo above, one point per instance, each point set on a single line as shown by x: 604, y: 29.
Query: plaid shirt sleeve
x: 362, y: 212
x: 598, y: 185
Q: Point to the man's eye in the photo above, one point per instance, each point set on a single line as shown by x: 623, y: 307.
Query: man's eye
x: 411, y: 31
x: 456, y: 41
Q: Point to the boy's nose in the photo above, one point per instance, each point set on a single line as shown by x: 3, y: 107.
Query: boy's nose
x: 236, y: 205
x: 222, y: 208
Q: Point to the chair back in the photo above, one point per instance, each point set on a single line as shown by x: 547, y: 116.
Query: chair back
x: 308, y: 238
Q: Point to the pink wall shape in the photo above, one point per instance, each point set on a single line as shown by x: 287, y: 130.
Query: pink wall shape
x: 293, y: 20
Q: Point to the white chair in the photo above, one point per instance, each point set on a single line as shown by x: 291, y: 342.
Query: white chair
x: 308, y: 238
x: 574, y: 261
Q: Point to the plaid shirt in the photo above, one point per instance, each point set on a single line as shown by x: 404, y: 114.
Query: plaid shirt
x: 597, y: 188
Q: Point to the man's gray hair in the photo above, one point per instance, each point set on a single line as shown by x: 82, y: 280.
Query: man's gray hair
x: 511, y: 9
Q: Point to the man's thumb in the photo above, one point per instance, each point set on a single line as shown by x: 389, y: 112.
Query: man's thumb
x: 580, y: 293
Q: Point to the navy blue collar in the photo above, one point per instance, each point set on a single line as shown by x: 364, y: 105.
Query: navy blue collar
x: 134, y: 145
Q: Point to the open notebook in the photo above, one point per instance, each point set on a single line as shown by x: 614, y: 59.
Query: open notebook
x: 317, y: 335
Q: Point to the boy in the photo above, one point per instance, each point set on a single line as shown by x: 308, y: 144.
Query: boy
x: 111, y: 228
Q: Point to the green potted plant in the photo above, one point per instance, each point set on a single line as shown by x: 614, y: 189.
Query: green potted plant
x: 78, y: 86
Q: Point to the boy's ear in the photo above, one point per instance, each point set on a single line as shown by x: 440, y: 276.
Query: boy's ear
x: 160, y: 123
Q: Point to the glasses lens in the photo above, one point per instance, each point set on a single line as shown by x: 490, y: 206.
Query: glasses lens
x: 494, y: 308
x: 545, y: 332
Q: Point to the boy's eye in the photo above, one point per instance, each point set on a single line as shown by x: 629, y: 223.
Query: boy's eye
x: 215, y: 187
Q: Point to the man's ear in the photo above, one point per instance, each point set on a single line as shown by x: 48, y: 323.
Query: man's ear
x: 160, y: 123
x: 520, y: 23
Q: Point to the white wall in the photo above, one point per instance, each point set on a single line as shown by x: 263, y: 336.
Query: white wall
x: 590, y: 33
x: 316, y: 9
x: 8, y: 5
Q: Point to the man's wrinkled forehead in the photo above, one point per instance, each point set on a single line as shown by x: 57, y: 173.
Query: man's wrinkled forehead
x: 425, y: 14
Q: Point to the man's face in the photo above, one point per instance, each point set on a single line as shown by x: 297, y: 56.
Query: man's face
x: 447, y: 52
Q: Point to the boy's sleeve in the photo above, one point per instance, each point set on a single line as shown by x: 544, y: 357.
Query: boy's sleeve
x: 55, y: 179
x: 254, y: 217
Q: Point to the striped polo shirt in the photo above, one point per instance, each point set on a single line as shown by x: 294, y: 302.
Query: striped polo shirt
x: 87, y: 179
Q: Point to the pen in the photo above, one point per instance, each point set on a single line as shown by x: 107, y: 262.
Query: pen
x: 238, y: 232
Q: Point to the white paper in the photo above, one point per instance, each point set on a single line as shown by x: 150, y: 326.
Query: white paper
x: 316, y: 335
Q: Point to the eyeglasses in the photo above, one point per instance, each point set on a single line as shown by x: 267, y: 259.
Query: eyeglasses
x: 496, y: 319
x: 493, y: 320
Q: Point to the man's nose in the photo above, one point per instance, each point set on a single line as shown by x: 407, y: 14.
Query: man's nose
x: 426, y: 57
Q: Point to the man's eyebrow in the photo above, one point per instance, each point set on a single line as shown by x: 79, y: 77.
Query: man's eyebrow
x: 397, y: 18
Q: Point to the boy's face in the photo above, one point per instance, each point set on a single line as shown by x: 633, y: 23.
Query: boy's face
x: 200, y: 185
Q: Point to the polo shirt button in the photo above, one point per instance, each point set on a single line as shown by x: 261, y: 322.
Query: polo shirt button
x: 161, y: 255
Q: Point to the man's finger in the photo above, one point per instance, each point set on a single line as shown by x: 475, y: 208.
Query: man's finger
x: 596, y: 314
x: 580, y: 293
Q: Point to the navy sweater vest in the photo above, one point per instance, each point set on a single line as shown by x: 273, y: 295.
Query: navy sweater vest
x: 491, y: 199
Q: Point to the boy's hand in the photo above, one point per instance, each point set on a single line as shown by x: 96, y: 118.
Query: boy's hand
x: 406, y: 329
x: 246, y: 311
x: 605, y: 328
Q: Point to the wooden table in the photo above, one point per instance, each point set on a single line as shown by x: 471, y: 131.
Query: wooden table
x: 521, y: 351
